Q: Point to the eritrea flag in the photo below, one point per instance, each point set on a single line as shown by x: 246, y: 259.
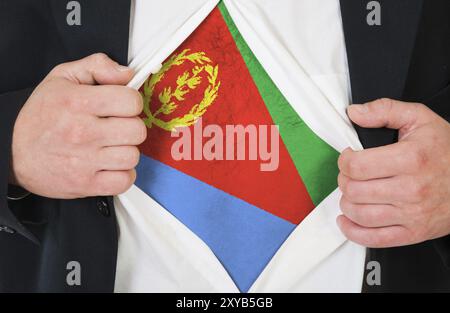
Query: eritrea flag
x: 221, y: 193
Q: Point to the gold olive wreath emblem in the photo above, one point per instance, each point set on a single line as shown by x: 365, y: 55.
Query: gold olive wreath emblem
x: 186, y: 82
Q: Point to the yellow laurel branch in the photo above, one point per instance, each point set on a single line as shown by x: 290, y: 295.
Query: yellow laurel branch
x: 185, y: 83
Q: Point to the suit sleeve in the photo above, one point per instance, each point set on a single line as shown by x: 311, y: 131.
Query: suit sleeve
x: 10, y: 105
x: 442, y: 245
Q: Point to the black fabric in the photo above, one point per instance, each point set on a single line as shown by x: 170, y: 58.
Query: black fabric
x: 379, y: 56
x: 43, y: 235
x: 406, y: 58
x: 10, y: 105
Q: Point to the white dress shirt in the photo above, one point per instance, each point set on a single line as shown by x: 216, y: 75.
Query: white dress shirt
x: 300, y: 43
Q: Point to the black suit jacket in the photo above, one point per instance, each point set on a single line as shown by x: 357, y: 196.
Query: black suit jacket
x: 406, y: 58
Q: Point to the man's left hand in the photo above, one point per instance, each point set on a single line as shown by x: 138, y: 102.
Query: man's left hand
x: 398, y: 194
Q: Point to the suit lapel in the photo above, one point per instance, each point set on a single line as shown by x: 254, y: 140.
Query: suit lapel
x: 379, y: 56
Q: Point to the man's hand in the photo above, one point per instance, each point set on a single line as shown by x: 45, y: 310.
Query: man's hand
x: 398, y: 194
x: 74, y: 138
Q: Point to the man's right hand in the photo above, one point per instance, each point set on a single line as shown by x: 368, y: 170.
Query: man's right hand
x: 76, y: 136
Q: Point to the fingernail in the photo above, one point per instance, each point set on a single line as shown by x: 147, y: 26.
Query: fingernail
x: 360, y: 108
x: 122, y: 68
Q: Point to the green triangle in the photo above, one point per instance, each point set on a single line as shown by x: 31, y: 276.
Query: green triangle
x: 315, y: 160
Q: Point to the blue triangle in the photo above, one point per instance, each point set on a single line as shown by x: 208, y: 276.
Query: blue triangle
x: 243, y: 237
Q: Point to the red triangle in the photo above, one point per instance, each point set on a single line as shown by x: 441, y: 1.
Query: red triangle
x: 279, y: 192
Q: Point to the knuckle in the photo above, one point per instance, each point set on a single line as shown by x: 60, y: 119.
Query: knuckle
x: 136, y: 101
x: 344, y: 205
x: 99, y: 58
x: 117, y: 183
x: 350, y: 190
x: 342, y: 182
x: 131, y: 178
x: 126, y: 181
x: 135, y: 157
x: 58, y: 69
x: 363, y: 217
x: 385, y: 103
x: 355, y: 215
x: 346, y: 208
x: 355, y: 167
x: 420, y: 108
x: 132, y: 157
x: 141, y: 130
x: 344, y: 159
x: 350, y: 164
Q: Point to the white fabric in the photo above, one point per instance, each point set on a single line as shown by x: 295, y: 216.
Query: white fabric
x: 300, y: 44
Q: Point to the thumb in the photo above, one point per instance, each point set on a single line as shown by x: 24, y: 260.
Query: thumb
x: 389, y: 113
x: 95, y: 69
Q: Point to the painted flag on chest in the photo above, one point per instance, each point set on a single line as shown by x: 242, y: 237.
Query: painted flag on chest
x: 226, y: 154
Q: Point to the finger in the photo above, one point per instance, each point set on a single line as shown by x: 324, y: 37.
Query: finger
x: 116, y: 131
x: 382, y: 237
x: 376, y: 191
x: 112, y: 183
x: 111, y: 101
x: 94, y: 69
x: 380, y: 162
x: 370, y: 215
x: 120, y: 158
x: 389, y: 113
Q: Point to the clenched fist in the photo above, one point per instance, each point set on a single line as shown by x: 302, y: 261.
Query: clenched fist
x: 398, y: 194
x: 76, y: 135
